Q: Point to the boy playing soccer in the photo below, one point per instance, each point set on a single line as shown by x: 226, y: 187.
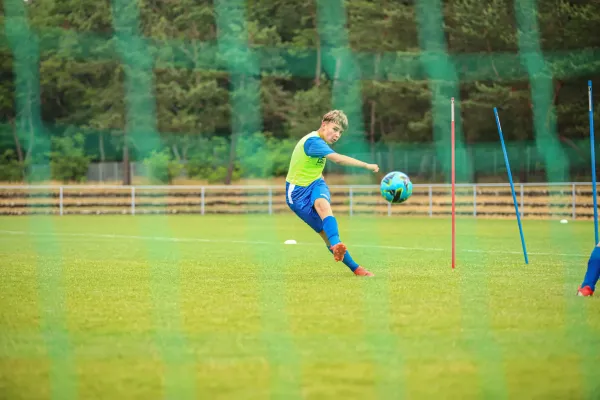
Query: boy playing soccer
x: 592, y: 274
x: 307, y: 194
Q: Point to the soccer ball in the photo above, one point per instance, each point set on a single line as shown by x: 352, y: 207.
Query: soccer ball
x: 396, y: 187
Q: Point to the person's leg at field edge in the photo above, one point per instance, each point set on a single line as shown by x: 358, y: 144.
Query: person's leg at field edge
x: 591, y: 275
x: 331, y: 237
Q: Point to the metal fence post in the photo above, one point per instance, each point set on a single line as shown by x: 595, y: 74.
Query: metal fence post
x: 202, y: 200
x: 133, y: 200
x: 475, y: 200
x: 60, y: 201
x: 270, y: 201
x: 573, y: 199
x: 351, y: 201
x: 430, y: 201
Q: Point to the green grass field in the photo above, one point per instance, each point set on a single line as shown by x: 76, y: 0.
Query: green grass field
x: 148, y: 307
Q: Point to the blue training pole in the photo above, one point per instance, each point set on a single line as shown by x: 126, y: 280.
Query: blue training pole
x: 593, y: 151
x: 512, y: 186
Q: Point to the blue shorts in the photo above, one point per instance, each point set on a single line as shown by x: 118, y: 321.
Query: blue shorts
x: 301, y: 200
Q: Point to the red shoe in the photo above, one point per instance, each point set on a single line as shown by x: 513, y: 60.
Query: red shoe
x: 585, y: 291
x: 339, y: 250
x: 360, y: 271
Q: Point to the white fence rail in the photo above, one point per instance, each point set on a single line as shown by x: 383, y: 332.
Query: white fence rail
x: 536, y: 200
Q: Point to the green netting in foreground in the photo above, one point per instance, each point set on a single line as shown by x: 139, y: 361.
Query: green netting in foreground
x: 432, y: 75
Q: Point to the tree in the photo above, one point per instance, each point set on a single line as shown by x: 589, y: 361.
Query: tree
x: 68, y: 161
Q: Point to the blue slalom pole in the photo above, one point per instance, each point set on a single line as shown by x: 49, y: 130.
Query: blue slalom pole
x: 512, y: 186
x: 593, y: 151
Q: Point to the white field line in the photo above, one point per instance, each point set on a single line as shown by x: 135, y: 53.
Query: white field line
x: 200, y: 240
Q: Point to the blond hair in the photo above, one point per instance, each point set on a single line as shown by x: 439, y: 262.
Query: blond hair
x: 337, y: 117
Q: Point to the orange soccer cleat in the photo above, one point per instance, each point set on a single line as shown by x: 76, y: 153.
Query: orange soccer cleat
x: 338, y: 250
x: 585, y: 291
x: 360, y: 271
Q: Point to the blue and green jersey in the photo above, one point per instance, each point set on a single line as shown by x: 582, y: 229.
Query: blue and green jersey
x: 308, y: 160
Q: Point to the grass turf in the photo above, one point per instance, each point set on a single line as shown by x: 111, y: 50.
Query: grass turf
x: 218, y: 307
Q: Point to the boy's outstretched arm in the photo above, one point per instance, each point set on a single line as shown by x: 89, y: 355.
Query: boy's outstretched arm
x: 351, y: 162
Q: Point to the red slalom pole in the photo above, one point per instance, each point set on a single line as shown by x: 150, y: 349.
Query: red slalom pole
x: 453, y: 192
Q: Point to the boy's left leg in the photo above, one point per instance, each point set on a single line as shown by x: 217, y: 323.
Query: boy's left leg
x: 321, y: 203
x: 347, y: 260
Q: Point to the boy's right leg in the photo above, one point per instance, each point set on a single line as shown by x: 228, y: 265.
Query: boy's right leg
x: 320, y: 198
x: 330, y: 227
x: 592, y: 274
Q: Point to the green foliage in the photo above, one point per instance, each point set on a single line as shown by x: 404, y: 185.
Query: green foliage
x: 191, y: 101
x: 11, y: 169
x: 259, y: 155
x: 307, y: 109
x: 230, y: 68
x: 262, y: 155
x: 209, y: 159
x: 280, y: 152
x: 68, y: 161
x: 161, y: 167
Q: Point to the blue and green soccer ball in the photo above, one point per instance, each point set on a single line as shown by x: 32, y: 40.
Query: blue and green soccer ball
x: 396, y: 187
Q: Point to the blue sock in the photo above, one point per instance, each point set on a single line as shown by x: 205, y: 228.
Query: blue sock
x: 593, y: 270
x: 330, y: 227
x: 350, y: 263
